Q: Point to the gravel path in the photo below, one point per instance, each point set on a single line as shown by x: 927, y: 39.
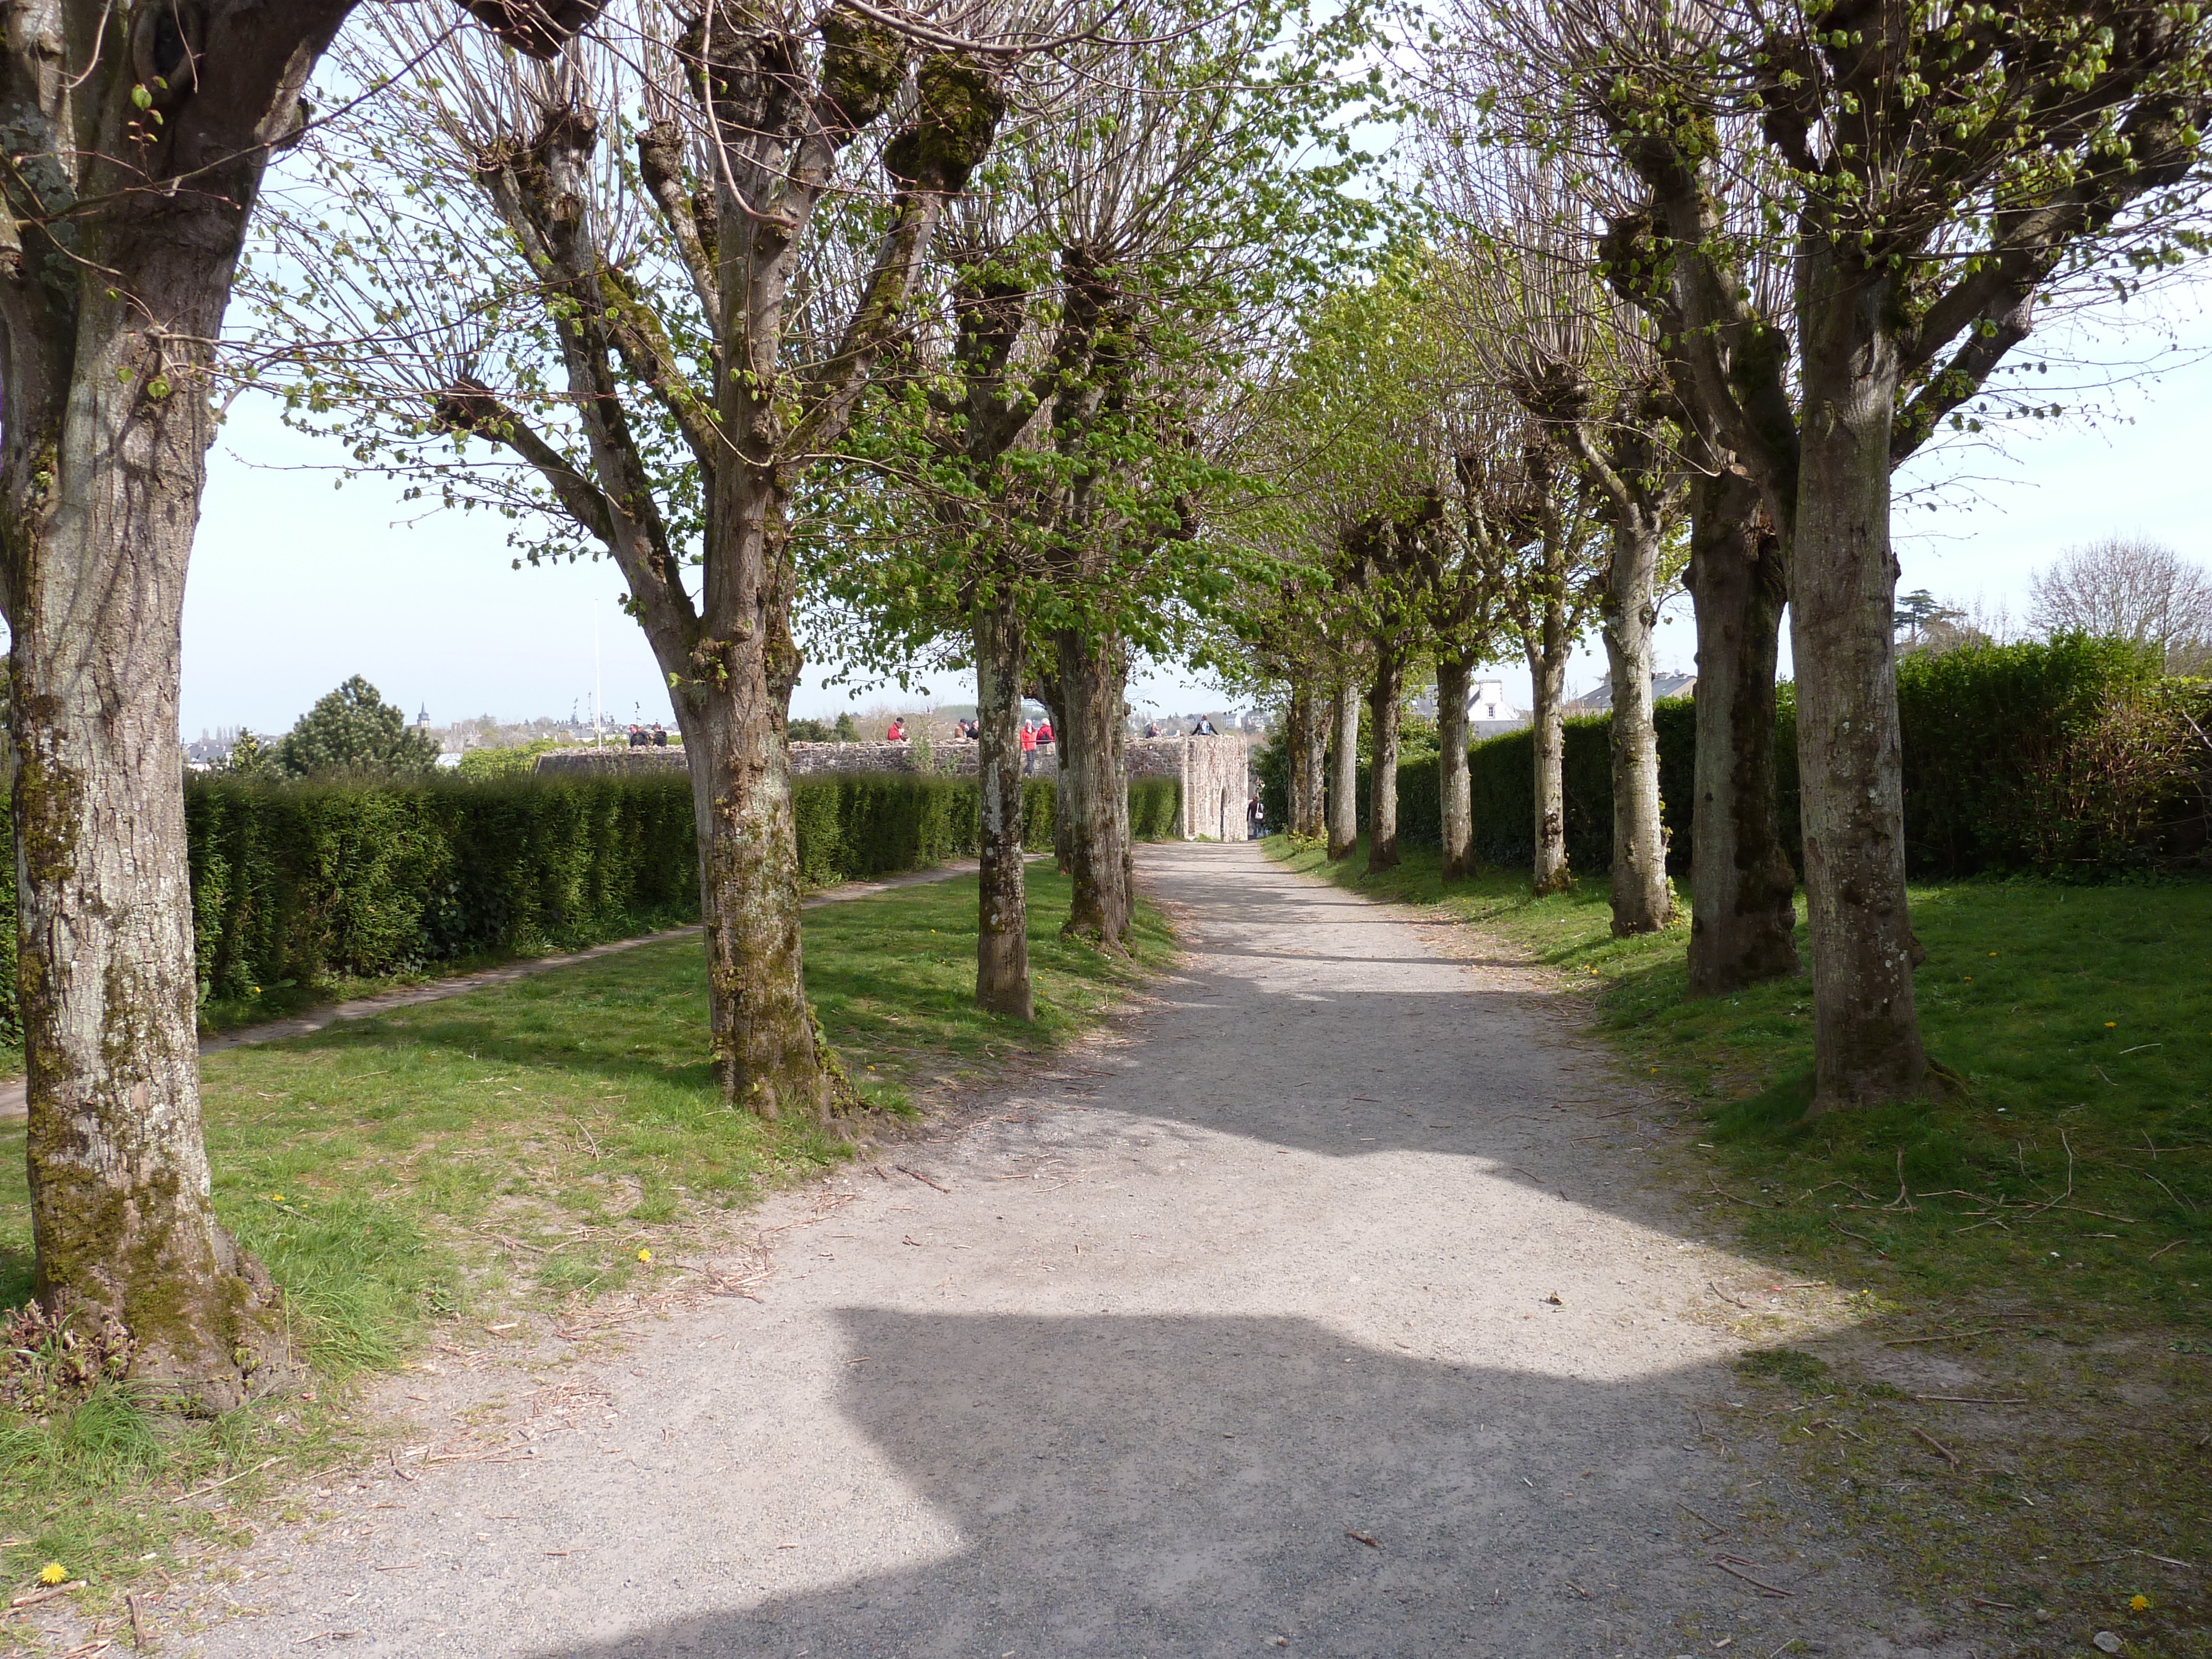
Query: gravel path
x: 1326, y: 1306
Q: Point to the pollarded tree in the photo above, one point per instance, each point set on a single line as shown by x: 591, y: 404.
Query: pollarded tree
x: 1581, y: 363
x: 138, y: 138
x: 1934, y: 174
x: 1053, y: 416
x: 611, y: 295
x: 353, y: 731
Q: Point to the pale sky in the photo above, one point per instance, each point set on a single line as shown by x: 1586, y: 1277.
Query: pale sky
x: 295, y: 586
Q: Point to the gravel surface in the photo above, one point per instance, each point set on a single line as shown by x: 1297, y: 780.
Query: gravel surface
x: 1328, y: 1305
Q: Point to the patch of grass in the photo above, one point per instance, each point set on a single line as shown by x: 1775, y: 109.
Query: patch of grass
x: 2070, y: 1183
x: 1792, y: 1367
x: 499, y: 1155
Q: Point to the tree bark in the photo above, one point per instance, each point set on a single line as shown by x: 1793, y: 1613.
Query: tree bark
x: 1002, y: 932
x: 1344, y: 774
x: 1456, y: 799
x: 1843, y: 588
x: 1045, y: 686
x: 1643, y: 903
x: 1298, y: 730
x: 105, y: 330
x: 121, y: 1216
x: 1743, y: 913
x: 1382, y: 760
x: 1547, y: 649
x: 1312, y: 761
x: 1092, y: 672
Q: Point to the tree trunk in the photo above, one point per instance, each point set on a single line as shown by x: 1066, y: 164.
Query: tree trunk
x: 1456, y: 800
x: 1743, y: 915
x: 1297, y: 727
x: 1091, y: 675
x: 767, y: 1053
x: 1642, y: 901
x: 1311, y: 759
x: 1044, y: 685
x: 1546, y: 650
x: 1383, y: 760
x: 1843, y: 588
x: 104, y: 496
x: 1344, y: 774
x: 1002, y: 929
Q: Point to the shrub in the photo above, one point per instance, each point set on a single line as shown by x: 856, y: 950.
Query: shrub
x: 2071, y: 758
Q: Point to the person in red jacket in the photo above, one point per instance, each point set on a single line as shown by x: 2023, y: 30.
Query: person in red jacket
x: 1044, y: 732
x: 897, y: 733
x: 1028, y: 747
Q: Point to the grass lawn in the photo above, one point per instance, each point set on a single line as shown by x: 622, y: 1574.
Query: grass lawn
x: 2065, y: 1199
x: 501, y: 1156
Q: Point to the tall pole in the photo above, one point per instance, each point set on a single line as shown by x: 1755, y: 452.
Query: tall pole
x: 598, y: 734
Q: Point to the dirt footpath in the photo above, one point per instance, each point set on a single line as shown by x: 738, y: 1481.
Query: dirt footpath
x: 1326, y: 1309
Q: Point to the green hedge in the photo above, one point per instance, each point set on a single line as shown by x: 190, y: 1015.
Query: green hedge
x: 296, y: 883
x: 2070, y: 757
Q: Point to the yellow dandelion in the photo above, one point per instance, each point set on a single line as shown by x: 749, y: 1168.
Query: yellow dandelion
x: 53, y: 1573
x: 275, y: 1198
x: 1993, y: 953
x: 2111, y: 1024
x: 645, y: 1256
x: 2137, y: 1603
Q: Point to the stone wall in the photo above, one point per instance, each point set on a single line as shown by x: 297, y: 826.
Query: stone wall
x: 1217, y: 785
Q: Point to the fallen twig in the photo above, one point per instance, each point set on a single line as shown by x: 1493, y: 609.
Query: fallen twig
x: 1718, y: 1530
x: 1948, y: 1336
x: 31, y: 1599
x: 1370, y: 1543
x: 1877, y: 1248
x: 1968, y: 1399
x: 1952, y: 1456
x: 1724, y: 1562
x: 2163, y: 1248
x: 1725, y: 1296
x: 918, y: 1175
x: 137, y: 1622
x: 1984, y: 1602
x: 198, y: 1491
x: 2167, y: 1560
x: 1840, y: 1428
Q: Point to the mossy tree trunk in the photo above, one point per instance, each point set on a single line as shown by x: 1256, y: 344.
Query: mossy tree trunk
x: 1842, y: 591
x: 1454, y: 787
x: 1547, y: 646
x: 138, y: 139
x: 1382, y: 757
x: 1743, y: 913
x: 1344, y: 773
x: 1095, y: 793
x: 1002, y: 936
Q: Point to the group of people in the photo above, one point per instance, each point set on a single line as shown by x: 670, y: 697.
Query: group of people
x: 1203, y: 729
x: 648, y: 737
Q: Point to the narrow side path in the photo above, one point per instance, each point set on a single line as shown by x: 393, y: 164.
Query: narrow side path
x: 13, y: 1104
x: 1325, y: 1307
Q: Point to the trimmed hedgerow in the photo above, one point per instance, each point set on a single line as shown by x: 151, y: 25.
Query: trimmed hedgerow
x: 2071, y: 758
x: 295, y: 884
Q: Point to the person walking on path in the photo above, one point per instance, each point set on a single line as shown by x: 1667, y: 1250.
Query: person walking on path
x: 1029, y: 748
x: 1255, y: 821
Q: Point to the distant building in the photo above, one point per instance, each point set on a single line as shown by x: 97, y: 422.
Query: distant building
x: 1599, y: 699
